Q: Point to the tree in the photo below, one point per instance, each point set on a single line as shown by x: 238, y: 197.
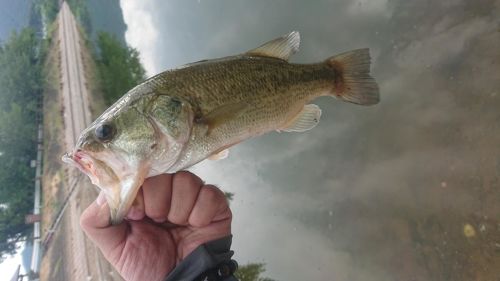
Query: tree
x: 229, y: 195
x: 48, y: 9
x: 252, y: 272
x: 119, y: 67
x: 12, y: 226
x: 20, y: 71
x: 21, y: 83
x: 82, y: 14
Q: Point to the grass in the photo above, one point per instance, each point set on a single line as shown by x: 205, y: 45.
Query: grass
x: 96, y: 102
x: 53, y: 172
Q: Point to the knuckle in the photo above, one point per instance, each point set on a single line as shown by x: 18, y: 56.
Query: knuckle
x: 164, y: 178
x: 217, y: 195
x: 211, y: 193
x: 187, y: 179
x: 152, y: 182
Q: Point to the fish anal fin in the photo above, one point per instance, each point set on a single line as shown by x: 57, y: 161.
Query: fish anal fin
x: 307, y: 119
x: 222, y: 115
x: 281, y: 48
x: 219, y: 155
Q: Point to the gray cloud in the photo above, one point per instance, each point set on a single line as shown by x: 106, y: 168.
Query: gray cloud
x: 378, y: 193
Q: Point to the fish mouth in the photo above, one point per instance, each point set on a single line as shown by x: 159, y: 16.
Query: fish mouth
x: 84, y: 163
x: 117, y: 178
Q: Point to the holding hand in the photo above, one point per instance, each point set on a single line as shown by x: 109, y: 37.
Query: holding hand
x: 173, y: 214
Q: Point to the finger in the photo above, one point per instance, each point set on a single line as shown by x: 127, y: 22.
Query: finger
x: 185, y: 188
x: 157, y: 193
x: 137, y: 212
x: 95, y: 221
x: 211, y: 205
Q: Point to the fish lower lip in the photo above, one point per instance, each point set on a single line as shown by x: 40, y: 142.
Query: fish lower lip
x: 70, y: 159
x: 80, y: 160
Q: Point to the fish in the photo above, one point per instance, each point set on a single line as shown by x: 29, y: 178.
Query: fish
x: 182, y: 116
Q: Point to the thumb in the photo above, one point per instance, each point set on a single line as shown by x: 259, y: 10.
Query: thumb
x: 95, y: 221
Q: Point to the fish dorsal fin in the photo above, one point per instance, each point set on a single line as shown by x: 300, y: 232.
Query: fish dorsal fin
x: 307, y: 119
x: 281, y: 48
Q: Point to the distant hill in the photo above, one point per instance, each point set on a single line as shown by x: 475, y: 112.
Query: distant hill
x: 106, y: 15
x: 14, y: 15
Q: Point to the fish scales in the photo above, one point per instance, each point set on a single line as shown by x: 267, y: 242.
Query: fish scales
x: 210, y: 85
x: 273, y: 89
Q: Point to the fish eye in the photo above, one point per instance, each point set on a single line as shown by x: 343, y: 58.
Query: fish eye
x: 105, y: 132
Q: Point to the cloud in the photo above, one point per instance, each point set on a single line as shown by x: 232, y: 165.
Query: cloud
x: 263, y: 225
x: 443, y: 42
x: 339, y: 201
x: 141, y: 33
x: 9, y: 265
x: 369, y: 7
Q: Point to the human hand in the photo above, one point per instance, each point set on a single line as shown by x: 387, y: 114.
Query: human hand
x: 173, y: 214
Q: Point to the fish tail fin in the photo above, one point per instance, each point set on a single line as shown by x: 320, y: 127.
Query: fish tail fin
x: 353, y: 82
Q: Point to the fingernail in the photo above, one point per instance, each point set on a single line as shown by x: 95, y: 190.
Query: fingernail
x: 101, y: 199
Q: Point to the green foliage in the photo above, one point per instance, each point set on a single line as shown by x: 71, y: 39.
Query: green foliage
x: 47, y: 8
x: 12, y: 226
x: 229, y: 195
x: 19, y: 70
x: 119, y: 67
x: 17, y: 134
x: 81, y: 12
x: 21, y: 83
x: 252, y: 272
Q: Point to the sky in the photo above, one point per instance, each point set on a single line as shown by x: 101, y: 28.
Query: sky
x: 10, y: 264
x: 371, y: 193
x: 13, y: 15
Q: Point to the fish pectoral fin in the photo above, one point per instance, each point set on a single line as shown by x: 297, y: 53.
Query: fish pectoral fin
x: 219, y: 155
x: 307, y: 119
x: 281, y: 48
x: 222, y: 115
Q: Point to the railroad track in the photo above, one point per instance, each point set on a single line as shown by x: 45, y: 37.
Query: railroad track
x: 87, y: 263
x: 72, y: 68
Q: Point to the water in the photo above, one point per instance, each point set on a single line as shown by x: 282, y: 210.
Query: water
x: 405, y: 190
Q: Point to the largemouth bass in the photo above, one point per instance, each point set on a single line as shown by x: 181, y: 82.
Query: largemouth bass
x: 183, y: 116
